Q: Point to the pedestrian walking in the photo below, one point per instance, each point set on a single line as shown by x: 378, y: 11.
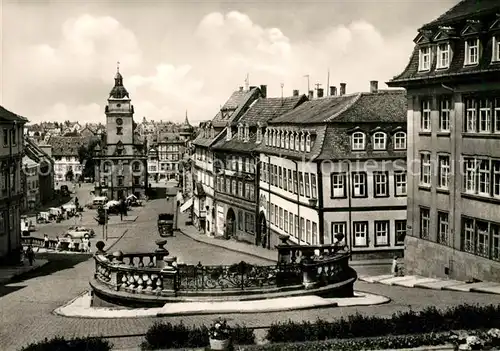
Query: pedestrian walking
x: 58, y: 245
x: 46, y: 241
x: 71, y: 245
x: 394, y: 268
x: 30, y: 254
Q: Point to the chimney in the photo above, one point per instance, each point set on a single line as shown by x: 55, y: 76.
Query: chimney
x: 333, y: 90
x: 311, y: 94
x: 342, y: 89
x: 263, y: 90
x: 241, y: 88
x: 320, y: 92
x: 295, y: 92
x: 373, y: 86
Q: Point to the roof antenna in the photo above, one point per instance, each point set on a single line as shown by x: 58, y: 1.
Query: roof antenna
x: 118, y: 66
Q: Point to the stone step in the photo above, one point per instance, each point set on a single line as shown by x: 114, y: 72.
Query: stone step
x: 395, y: 280
x: 468, y: 287
x: 493, y: 289
x: 375, y: 278
x: 438, y: 285
x: 415, y: 280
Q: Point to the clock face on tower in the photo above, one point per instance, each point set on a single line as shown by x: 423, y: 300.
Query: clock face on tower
x: 119, y: 121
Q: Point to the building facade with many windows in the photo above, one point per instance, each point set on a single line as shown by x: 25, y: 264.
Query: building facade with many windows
x: 207, y: 216
x: 337, y: 165
x: 236, y: 172
x: 11, y: 194
x: 453, y: 86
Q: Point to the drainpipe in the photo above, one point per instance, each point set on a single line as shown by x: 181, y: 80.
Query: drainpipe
x: 298, y: 198
x: 348, y: 181
x: 319, y: 192
x: 269, y: 180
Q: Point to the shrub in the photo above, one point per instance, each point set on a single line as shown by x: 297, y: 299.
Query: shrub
x: 78, y: 344
x: 379, y: 343
x: 408, y: 322
x: 167, y: 335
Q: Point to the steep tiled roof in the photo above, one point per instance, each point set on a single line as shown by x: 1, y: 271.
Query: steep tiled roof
x: 385, y: 105
x: 6, y: 115
x: 168, y: 138
x: 465, y: 9
x: 265, y: 109
x: 233, y: 107
x: 337, y: 143
x: 66, y: 146
x: 316, y: 111
x: 35, y: 152
x: 456, y: 19
x: 261, y: 111
x: 237, y: 104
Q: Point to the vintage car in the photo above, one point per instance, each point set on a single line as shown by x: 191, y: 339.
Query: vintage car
x: 166, y: 224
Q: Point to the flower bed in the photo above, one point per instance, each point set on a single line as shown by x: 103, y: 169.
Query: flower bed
x: 167, y: 335
x: 462, y: 317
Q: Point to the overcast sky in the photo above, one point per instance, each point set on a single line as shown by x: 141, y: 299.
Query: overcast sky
x: 59, y: 57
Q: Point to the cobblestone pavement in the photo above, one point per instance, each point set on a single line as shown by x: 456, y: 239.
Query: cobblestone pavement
x: 26, y: 306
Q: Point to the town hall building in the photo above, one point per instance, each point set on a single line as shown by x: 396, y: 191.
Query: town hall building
x: 121, y: 160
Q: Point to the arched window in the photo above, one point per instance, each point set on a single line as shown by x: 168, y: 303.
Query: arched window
x: 279, y: 138
x: 292, y: 140
x: 308, y: 142
x: 287, y: 140
x: 282, y: 144
x: 400, y: 141
x: 358, y: 141
x: 297, y: 142
x: 302, y: 142
x: 258, y: 136
x: 266, y: 137
x: 275, y: 137
x: 379, y: 141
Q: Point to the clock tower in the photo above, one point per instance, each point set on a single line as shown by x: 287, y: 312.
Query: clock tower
x: 121, y: 164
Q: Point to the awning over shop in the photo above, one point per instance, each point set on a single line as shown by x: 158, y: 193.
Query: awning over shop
x: 186, y: 205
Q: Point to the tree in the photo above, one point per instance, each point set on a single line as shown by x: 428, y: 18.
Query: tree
x: 86, y: 156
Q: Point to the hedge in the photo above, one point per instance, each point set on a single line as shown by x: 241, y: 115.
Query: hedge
x: 167, y: 335
x: 77, y: 344
x: 401, y: 323
x: 378, y: 343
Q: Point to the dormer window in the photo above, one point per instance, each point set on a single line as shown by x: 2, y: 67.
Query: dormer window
x: 279, y: 138
x: 443, y: 56
x: 358, y: 141
x: 302, y: 142
x: 297, y: 142
x: 292, y: 140
x: 400, y: 141
x: 287, y: 141
x: 308, y: 142
x: 379, y: 141
x: 496, y: 49
x: 240, y: 132
x: 424, y: 58
x: 247, y: 132
x: 258, y: 136
x: 275, y: 138
x: 282, y: 143
x: 472, y: 51
x: 266, y: 137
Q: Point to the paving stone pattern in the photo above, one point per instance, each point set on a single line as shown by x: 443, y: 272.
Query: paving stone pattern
x: 26, y: 306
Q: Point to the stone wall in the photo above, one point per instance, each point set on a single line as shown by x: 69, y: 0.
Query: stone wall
x: 430, y: 259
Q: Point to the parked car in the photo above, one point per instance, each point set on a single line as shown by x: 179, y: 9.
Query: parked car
x: 79, y: 233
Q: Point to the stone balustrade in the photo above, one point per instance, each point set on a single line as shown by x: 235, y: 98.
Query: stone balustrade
x: 157, y: 273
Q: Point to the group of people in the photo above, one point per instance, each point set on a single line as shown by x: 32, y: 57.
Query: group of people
x: 85, y: 243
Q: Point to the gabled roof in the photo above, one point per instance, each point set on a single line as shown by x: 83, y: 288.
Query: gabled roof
x: 35, y: 152
x: 238, y: 103
x: 385, y: 105
x: 261, y: 111
x: 8, y: 116
x: 465, y: 9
